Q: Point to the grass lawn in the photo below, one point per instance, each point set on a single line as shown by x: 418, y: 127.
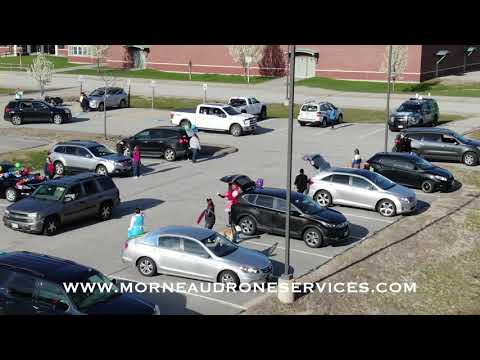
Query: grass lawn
x: 162, y: 75
x: 435, y: 87
x: 6, y: 63
x: 34, y: 159
x: 474, y: 135
x: 6, y: 91
x: 274, y: 110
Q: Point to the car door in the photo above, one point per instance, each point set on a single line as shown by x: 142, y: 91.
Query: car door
x: 144, y: 141
x: 157, y: 142
x: 384, y: 165
x: 341, y: 188
x: 205, y: 118
x: 255, y: 105
x: 84, y: 160
x: 92, y: 198
x: 363, y: 192
x: 195, y: 261
x: 265, y: 211
x: 74, y: 209
x: 219, y: 120
x: 19, y: 294
x: 430, y: 146
x: 406, y: 173
x: 451, y: 148
x: 70, y: 159
x: 324, y: 109
x: 41, y: 112
x: 50, y: 299
x: 280, y: 218
x: 26, y: 111
x: 112, y: 97
x: 167, y: 254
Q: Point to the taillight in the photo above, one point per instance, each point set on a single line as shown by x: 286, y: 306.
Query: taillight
x: 7, y: 110
x: 125, y: 245
x: 171, y: 115
x: 183, y: 140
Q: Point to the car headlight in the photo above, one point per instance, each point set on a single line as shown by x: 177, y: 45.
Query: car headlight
x: 441, y: 178
x: 246, y: 122
x: 392, y: 118
x: 33, y: 216
x: 328, y: 225
x: 405, y: 199
x: 249, y: 269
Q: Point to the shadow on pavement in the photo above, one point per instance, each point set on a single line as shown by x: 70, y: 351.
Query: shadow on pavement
x: 457, y: 185
x: 150, y: 171
x: 77, y: 120
x: 357, y: 232
x: 422, y: 206
x: 260, y: 130
x: 128, y: 207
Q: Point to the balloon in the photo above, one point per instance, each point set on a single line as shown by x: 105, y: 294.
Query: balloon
x: 18, y: 165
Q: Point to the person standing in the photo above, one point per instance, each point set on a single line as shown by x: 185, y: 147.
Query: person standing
x: 231, y: 195
x: 332, y: 116
x: 136, y: 227
x: 195, y: 147
x: 357, y: 160
x: 84, y: 102
x: 18, y: 94
x: 49, y: 169
x: 136, y: 161
x: 208, y: 214
x: 301, y: 182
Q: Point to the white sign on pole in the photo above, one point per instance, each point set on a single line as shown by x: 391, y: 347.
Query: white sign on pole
x: 152, y: 83
x: 248, y: 59
x: 205, y: 87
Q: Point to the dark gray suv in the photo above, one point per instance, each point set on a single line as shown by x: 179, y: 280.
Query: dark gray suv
x: 61, y: 201
x: 415, y: 112
x: 443, y: 144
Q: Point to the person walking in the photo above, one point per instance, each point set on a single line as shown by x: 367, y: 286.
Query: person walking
x: 357, y: 160
x: 195, y: 147
x: 332, y: 117
x: 136, y: 227
x: 49, y: 169
x: 84, y: 102
x: 301, y: 182
x: 136, y: 161
x: 231, y: 195
x: 208, y: 214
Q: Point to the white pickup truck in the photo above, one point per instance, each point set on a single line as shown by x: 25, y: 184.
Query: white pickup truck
x: 249, y: 105
x: 220, y: 117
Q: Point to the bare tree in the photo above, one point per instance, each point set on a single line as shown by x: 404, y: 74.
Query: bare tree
x: 240, y: 53
x: 41, y: 71
x: 399, y: 62
x: 99, y: 53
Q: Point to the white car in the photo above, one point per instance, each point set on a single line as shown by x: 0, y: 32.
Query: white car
x: 317, y: 113
x: 220, y: 117
x: 249, y: 105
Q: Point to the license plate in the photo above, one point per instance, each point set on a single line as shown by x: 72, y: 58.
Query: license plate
x: 400, y: 126
x: 14, y: 226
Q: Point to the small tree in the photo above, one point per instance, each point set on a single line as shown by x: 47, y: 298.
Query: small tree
x: 41, y: 71
x: 99, y: 53
x: 239, y: 54
x: 399, y: 62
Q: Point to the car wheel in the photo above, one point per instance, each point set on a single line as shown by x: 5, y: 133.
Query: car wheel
x: 386, y: 208
x: 146, y: 266
x: 248, y: 225
x: 324, y: 122
x: 11, y: 194
x: 236, y: 130
x: 170, y: 154
x: 340, y: 119
x: 59, y: 168
x: 229, y: 277
x: 428, y: 186
x: 51, y: 226
x: 101, y: 170
x: 16, y: 120
x: 470, y: 159
x: 123, y: 104
x: 323, y: 198
x: 301, y: 123
x: 186, y: 123
x: 313, y: 238
x: 57, y: 119
x: 101, y: 107
x: 263, y: 113
x: 105, y: 211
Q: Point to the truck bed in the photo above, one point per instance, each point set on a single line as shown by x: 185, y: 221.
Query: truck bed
x: 190, y: 111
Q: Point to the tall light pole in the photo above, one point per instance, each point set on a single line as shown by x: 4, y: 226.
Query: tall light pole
x: 105, y: 111
x: 287, y: 296
x: 388, y: 94
x: 288, y: 74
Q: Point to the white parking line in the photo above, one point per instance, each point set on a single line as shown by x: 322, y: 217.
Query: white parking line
x: 370, y: 134
x: 240, y: 307
x: 294, y: 250
x: 368, y: 218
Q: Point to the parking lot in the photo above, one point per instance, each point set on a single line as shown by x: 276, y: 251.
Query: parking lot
x: 175, y: 193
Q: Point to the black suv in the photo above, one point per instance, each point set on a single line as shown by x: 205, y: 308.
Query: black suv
x: 171, y: 142
x: 30, y: 111
x: 415, y: 112
x: 33, y: 284
x: 444, y: 144
x: 265, y: 210
x: 65, y: 200
x: 411, y: 170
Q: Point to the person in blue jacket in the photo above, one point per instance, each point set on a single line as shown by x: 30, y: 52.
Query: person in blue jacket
x: 332, y: 117
x: 136, y: 224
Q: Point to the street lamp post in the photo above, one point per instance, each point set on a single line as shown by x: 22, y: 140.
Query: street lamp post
x: 248, y: 60
x: 288, y: 72
x: 388, y: 94
x: 81, y: 80
x: 152, y: 84
x: 287, y: 295
x: 105, y: 111
x: 129, y: 86
x: 205, y: 87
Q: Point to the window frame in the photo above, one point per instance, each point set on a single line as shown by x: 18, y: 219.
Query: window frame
x: 180, y: 246
x: 264, y: 206
x: 198, y: 243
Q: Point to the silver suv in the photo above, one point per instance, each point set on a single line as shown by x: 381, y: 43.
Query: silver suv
x: 88, y: 156
x: 116, y: 97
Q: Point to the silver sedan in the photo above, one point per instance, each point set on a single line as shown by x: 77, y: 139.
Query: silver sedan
x: 196, y: 253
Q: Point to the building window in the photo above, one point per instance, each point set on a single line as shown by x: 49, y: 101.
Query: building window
x: 79, y: 50
x: 60, y: 47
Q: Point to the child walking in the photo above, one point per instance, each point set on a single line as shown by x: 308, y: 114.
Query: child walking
x: 208, y: 214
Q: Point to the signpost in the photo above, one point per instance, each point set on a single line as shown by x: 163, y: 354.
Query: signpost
x: 152, y: 84
x: 205, y: 92
x: 388, y: 94
x: 248, y: 60
x: 81, y: 80
x: 128, y: 85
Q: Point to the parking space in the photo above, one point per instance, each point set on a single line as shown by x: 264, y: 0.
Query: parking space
x: 175, y: 193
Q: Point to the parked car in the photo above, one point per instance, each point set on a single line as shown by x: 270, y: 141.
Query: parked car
x: 249, y: 105
x: 221, y: 117
x: 32, y: 284
x: 359, y: 188
x: 415, y: 112
x: 14, y: 185
x: 32, y: 111
x: 171, y: 142
x: 411, y: 170
x: 88, y: 156
x: 66, y: 200
x: 264, y: 210
x: 443, y: 144
x: 116, y: 97
x: 317, y: 113
x: 196, y: 253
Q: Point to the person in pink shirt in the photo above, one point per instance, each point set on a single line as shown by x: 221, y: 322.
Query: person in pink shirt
x: 136, y: 161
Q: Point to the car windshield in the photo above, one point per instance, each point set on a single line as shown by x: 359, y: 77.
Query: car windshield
x: 381, y: 181
x: 422, y: 163
x: 306, y: 205
x: 98, y: 92
x: 100, y: 151
x: 230, y: 110
x: 408, y: 107
x: 461, y: 138
x: 101, y: 290
x: 220, y: 245
x: 49, y: 192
